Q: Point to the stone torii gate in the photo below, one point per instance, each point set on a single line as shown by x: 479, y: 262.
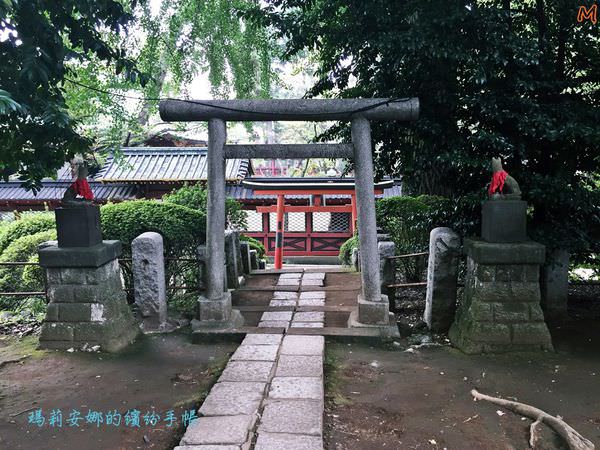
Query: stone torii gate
x: 215, y: 309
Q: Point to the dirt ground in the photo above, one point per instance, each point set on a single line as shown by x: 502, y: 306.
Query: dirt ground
x: 163, y: 373
x: 389, y: 398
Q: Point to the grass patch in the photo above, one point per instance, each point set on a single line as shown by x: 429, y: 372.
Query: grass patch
x: 334, y: 378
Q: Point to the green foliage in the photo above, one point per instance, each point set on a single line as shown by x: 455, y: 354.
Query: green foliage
x: 346, y: 249
x: 40, y: 39
x: 195, y: 197
x: 516, y: 79
x: 173, y: 45
x: 186, y: 304
x: 254, y: 245
x: 22, y: 249
x: 33, y: 276
x: 180, y: 227
x: 27, y: 225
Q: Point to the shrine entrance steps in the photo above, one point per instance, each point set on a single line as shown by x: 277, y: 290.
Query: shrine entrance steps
x: 325, y: 294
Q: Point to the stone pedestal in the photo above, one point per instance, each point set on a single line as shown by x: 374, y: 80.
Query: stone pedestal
x: 442, y: 274
x: 149, y: 284
x: 79, y: 226
x: 504, y: 221
x: 216, y: 313
x: 501, y: 310
x: 87, y: 302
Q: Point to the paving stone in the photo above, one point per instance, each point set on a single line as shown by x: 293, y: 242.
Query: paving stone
x: 279, y: 441
x: 292, y: 416
x: 247, y: 371
x: 262, y: 339
x: 256, y: 352
x: 312, y: 294
x: 313, y: 276
x: 311, y: 302
x: 234, y: 398
x: 306, y: 324
x: 277, y: 315
x: 282, y: 302
x: 218, y: 430
x: 288, y: 282
x: 285, y: 294
x: 274, y: 324
x: 299, y: 366
x: 303, y: 345
x: 290, y: 275
x: 296, y: 388
x: 310, y: 316
x: 311, y: 282
x: 208, y: 447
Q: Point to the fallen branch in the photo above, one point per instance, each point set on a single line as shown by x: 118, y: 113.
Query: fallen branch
x: 534, y: 433
x: 574, y: 440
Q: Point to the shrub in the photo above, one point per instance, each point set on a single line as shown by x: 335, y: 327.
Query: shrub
x: 346, y: 250
x: 255, y: 244
x: 29, y: 224
x: 195, y: 197
x: 182, y: 228
x: 22, y: 249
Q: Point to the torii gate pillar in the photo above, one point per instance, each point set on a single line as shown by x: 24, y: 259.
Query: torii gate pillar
x: 373, y: 307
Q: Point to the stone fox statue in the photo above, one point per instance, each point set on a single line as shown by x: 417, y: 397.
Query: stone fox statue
x: 502, y: 184
x: 80, y: 187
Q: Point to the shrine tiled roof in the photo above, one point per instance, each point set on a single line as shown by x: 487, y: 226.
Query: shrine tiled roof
x: 165, y: 165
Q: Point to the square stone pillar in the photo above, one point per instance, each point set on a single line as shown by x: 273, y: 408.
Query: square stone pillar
x: 87, y: 302
x: 373, y: 307
x: 233, y: 261
x: 501, y: 311
x: 149, y: 284
x: 215, y: 307
x: 442, y: 277
x: 245, y: 256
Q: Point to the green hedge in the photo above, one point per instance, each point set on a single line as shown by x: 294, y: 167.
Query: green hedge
x: 11, y: 277
x: 409, y: 220
x: 182, y: 228
x: 29, y: 224
x: 346, y: 250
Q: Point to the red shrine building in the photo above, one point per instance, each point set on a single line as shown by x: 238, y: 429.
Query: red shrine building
x: 318, y: 213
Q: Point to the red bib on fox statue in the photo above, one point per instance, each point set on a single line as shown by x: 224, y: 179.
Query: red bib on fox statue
x: 502, y: 186
x: 82, y: 188
x: 497, y: 183
x: 78, y: 193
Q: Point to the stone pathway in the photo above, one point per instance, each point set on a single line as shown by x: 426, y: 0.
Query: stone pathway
x: 271, y: 394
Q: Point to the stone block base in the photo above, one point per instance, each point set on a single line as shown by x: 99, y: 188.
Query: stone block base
x: 87, y: 304
x: 388, y: 331
x: 374, y: 315
x: 236, y: 320
x: 500, y: 311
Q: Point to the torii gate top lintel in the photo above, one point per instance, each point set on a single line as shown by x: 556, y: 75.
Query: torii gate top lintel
x: 313, y: 110
x: 215, y: 308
